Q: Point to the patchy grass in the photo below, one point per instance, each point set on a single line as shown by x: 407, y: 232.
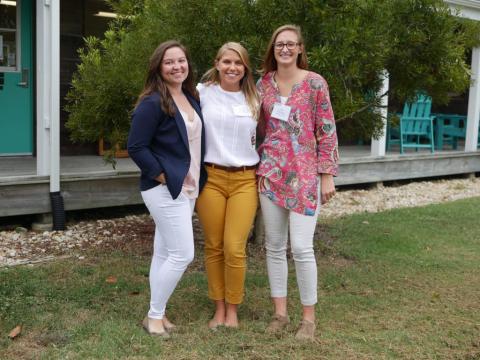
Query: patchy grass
x: 402, y: 284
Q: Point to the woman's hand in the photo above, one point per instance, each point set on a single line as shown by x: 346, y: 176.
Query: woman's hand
x: 161, y: 179
x: 327, y: 187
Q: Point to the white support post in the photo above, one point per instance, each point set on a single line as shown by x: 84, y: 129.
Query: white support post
x: 473, y: 104
x: 48, y: 91
x: 55, y: 96
x: 378, y: 145
x: 43, y: 88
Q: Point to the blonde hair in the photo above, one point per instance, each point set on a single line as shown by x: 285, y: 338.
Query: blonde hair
x: 269, y: 62
x: 247, y: 84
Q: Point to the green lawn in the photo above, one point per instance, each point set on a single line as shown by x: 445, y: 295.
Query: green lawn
x: 403, y: 284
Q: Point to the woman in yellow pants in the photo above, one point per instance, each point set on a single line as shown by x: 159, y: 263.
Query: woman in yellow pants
x: 227, y: 205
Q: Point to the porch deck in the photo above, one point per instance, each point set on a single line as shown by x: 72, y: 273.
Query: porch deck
x: 87, y: 182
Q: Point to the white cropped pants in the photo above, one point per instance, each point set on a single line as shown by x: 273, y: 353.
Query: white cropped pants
x: 277, y: 221
x: 173, y: 246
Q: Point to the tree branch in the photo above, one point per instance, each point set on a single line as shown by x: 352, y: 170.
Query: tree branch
x: 363, y: 108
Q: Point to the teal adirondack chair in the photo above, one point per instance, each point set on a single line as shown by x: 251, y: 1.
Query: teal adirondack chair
x: 416, y: 126
x: 452, y: 131
x: 449, y: 128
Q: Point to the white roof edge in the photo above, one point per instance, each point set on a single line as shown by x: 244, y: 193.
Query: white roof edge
x: 474, y: 4
x: 469, y: 9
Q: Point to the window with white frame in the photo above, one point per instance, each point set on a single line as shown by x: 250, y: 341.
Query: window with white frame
x: 8, y: 35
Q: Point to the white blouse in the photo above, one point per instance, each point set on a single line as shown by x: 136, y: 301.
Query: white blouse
x: 230, y: 129
x: 194, y: 133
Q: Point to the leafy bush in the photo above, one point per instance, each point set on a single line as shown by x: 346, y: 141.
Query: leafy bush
x: 350, y: 43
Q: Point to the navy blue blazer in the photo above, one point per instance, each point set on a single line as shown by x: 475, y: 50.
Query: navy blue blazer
x: 158, y: 143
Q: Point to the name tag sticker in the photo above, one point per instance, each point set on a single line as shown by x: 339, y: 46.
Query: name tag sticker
x: 241, y: 110
x: 281, y: 112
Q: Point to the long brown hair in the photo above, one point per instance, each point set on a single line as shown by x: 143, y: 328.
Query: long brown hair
x: 247, y: 84
x: 269, y: 62
x: 155, y: 82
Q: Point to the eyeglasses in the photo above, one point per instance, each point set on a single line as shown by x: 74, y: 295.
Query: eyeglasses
x: 280, y: 45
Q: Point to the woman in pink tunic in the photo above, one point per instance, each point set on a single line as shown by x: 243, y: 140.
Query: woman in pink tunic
x: 299, y: 157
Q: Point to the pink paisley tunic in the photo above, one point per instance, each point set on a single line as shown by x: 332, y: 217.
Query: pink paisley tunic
x: 295, y: 152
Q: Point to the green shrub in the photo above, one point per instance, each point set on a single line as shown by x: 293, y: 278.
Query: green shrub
x: 350, y: 43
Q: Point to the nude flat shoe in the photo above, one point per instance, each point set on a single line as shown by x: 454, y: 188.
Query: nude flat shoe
x: 277, y: 324
x: 146, y: 327
x: 306, y: 331
x: 169, y: 326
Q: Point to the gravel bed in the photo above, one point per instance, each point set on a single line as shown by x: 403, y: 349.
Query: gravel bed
x: 390, y: 197
x: 134, y: 232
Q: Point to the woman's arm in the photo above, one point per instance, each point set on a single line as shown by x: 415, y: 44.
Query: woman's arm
x: 145, y: 121
x: 327, y: 187
x: 327, y: 143
x: 261, y: 122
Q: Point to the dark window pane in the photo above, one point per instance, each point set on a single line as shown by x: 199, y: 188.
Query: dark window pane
x: 8, y: 36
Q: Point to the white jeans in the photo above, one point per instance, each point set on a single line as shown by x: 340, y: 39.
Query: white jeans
x: 172, y: 247
x: 302, y: 227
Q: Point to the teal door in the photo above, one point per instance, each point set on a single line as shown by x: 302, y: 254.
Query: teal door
x: 16, y: 85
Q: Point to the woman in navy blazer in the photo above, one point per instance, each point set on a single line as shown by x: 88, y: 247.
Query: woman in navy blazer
x: 166, y: 141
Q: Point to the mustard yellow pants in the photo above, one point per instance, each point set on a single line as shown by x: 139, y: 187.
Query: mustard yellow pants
x: 226, y: 208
